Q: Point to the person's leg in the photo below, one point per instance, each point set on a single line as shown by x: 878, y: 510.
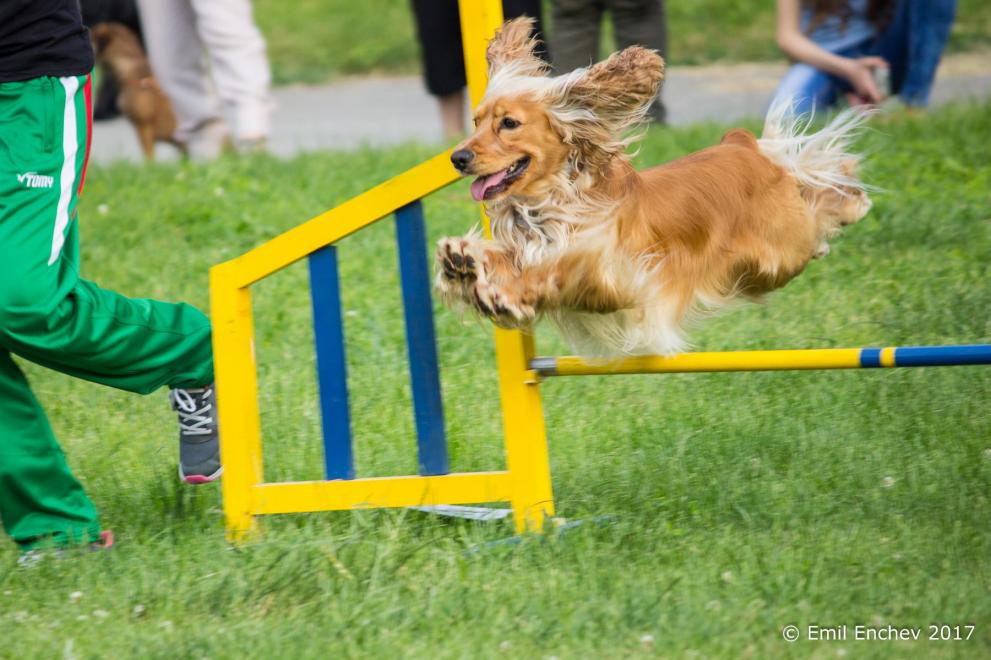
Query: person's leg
x: 892, y: 45
x: 39, y: 497
x: 642, y: 23
x: 535, y: 10
x: 807, y: 88
x: 913, y: 45
x: 239, y: 64
x: 101, y: 336
x: 40, y: 500
x: 575, y: 39
x: 438, y: 29
x: 452, y: 115
x: 177, y: 58
x: 48, y: 314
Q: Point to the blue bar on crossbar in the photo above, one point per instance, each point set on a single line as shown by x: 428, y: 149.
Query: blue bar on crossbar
x: 332, y: 375
x: 937, y: 356
x: 870, y: 358
x: 414, y: 271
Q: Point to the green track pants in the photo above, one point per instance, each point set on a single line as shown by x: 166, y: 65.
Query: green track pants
x: 51, y: 316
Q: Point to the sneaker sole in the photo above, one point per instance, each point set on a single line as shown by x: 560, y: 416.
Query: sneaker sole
x: 198, y: 479
x: 106, y: 541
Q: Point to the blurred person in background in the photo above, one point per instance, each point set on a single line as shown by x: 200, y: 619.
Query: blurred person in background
x: 189, y: 43
x: 438, y: 27
x: 863, y: 49
x: 577, y: 26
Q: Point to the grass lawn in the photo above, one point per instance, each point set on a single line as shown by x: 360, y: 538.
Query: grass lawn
x: 735, y: 503
x: 313, y: 40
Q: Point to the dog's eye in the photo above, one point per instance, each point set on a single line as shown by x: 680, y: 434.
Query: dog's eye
x: 509, y: 122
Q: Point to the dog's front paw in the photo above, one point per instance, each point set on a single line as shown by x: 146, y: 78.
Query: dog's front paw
x: 457, y: 261
x: 460, y: 264
x: 503, y: 306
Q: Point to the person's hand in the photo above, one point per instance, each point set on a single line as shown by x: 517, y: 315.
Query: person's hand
x: 860, y: 73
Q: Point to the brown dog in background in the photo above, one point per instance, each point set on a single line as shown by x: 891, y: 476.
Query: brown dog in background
x: 140, y: 99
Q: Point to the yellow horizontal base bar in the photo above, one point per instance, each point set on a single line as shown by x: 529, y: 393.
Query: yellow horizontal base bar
x: 305, y: 496
x: 818, y: 358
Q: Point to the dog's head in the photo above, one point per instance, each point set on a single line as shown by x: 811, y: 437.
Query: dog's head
x: 845, y: 202
x: 113, y: 40
x: 531, y: 127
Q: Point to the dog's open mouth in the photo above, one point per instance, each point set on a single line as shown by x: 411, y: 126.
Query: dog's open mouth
x: 490, y: 185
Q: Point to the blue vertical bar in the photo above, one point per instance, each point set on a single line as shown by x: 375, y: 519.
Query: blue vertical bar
x: 421, y: 341
x: 332, y: 373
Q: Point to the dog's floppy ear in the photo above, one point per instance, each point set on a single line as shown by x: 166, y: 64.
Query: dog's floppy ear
x: 624, y: 83
x: 597, y: 108
x: 514, y: 45
x: 100, y: 34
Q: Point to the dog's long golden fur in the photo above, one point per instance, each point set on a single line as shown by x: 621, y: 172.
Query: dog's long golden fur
x: 620, y: 259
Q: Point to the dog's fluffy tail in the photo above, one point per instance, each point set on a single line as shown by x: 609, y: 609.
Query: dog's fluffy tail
x: 821, y: 160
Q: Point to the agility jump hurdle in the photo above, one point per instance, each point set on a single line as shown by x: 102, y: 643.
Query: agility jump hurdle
x: 526, y: 482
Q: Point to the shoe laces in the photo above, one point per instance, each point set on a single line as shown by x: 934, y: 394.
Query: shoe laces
x: 195, y: 410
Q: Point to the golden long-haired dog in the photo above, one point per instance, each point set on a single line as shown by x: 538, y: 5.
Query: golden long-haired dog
x: 621, y: 259
x: 141, y: 99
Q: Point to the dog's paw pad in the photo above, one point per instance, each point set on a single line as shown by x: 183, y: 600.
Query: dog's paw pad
x: 455, y: 261
x: 503, y: 307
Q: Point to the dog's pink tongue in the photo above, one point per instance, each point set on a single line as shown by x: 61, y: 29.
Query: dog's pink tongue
x: 483, y: 183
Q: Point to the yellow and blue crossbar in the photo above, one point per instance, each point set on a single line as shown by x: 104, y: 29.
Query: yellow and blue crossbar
x: 777, y: 360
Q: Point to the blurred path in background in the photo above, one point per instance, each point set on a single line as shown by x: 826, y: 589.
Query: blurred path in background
x: 384, y: 111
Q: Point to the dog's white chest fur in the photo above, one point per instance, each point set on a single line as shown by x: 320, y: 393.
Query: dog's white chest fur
x: 534, y: 234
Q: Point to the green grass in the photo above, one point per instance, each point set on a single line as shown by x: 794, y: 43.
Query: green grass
x: 314, y: 40
x: 736, y: 503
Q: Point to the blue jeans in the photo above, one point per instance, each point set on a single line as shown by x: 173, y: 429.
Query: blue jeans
x: 912, y: 45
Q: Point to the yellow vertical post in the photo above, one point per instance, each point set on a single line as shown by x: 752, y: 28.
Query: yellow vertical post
x: 237, y: 399
x: 479, y: 21
x: 523, y: 425
x: 522, y: 412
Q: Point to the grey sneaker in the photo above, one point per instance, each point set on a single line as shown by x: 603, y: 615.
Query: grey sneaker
x: 199, y: 441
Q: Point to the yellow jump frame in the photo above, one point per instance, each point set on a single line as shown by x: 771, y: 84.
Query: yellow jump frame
x: 525, y: 484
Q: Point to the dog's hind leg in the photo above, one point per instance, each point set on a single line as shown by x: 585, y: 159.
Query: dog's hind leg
x: 146, y: 135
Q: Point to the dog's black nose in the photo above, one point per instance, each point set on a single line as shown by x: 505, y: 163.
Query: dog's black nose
x: 462, y: 158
